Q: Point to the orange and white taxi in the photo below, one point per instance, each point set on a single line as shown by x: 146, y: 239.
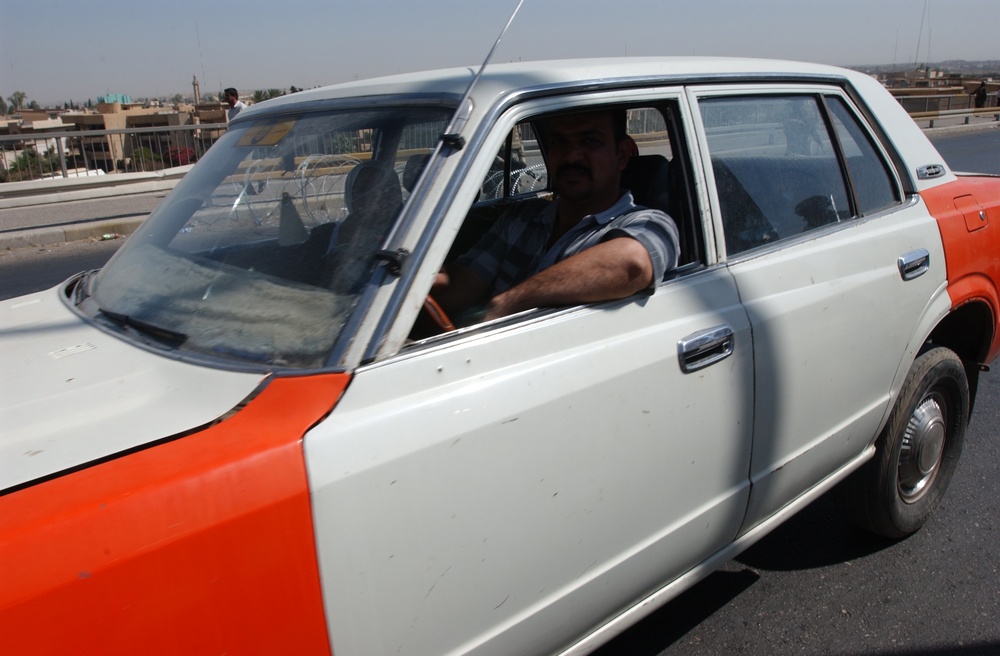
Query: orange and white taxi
x: 253, y: 432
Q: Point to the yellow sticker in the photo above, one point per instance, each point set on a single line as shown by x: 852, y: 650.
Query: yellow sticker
x: 267, y: 134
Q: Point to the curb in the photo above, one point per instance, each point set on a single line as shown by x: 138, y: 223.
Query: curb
x: 93, y: 230
x: 961, y: 127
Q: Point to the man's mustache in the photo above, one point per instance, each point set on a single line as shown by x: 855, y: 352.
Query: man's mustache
x: 579, y: 168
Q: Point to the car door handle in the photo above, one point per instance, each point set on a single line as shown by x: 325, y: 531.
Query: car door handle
x: 914, y: 264
x: 704, y: 348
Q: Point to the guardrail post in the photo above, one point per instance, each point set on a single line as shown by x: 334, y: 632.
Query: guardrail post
x: 61, y: 145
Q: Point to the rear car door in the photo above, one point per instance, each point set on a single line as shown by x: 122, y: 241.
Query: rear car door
x: 525, y: 480
x: 834, y: 265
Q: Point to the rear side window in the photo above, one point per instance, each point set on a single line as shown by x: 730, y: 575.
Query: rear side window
x: 775, y: 166
x: 874, y: 188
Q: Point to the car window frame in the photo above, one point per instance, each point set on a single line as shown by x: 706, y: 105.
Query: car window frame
x: 877, y: 145
x: 453, y: 205
x: 819, y: 92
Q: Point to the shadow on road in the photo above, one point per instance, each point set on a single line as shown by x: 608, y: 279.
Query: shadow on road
x: 816, y: 537
x: 669, y: 624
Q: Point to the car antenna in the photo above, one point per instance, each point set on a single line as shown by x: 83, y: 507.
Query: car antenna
x: 452, y: 136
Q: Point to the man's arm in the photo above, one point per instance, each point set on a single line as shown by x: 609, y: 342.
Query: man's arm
x: 610, y: 270
x: 457, y: 288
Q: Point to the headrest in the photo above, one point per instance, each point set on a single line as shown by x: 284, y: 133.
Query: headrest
x: 648, y: 178
x: 369, y: 184
x: 414, y: 167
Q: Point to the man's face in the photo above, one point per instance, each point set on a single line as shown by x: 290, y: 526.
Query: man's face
x: 584, y: 160
x: 231, y: 99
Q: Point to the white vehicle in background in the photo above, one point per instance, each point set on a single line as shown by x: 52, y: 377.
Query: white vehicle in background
x: 250, y: 433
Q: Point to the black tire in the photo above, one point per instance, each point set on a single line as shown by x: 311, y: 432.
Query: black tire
x: 895, y: 492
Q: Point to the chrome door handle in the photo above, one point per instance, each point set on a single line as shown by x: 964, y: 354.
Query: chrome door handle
x: 914, y: 264
x: 704, y: 348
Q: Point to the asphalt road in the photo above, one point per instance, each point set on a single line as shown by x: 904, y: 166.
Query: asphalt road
x: 81, y: 211
x: 816, y: 585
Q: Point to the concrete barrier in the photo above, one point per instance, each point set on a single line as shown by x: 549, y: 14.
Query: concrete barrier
x: 964, y: 116
x: 58, y: 190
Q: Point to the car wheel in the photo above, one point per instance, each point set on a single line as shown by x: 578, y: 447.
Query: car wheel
x: 895, y: 492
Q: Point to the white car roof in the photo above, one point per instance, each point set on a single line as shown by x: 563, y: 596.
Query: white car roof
x: 500, y: 79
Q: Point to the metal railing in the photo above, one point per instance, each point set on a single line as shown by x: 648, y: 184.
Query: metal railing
x: 934, y: 108
x: 84, y: 153
x: 943, y: 103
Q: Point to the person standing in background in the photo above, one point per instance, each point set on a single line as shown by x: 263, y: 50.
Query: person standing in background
x: 235, y: 104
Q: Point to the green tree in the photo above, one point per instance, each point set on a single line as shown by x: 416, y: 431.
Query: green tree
x: 260, y: 95
x: 17, y: 100
x: 29, y: 165
x: 3, y: 105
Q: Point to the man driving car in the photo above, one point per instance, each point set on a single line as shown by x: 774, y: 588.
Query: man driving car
x: 591, y: 243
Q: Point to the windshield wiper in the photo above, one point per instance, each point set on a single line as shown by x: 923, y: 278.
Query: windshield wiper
x: 163, y: 335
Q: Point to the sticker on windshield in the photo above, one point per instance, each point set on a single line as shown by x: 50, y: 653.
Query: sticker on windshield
x: 268, y: 134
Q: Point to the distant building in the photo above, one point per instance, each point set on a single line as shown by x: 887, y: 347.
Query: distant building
x: 120, y: 135
x: 115, y: 98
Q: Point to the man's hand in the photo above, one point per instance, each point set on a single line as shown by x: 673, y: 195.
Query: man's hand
x: 456, y: 288
x: 610, y: 270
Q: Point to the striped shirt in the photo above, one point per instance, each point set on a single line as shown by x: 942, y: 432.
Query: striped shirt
x: 514, y: 248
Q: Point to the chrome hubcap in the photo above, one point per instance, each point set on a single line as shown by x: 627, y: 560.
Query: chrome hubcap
x: 922, y: 449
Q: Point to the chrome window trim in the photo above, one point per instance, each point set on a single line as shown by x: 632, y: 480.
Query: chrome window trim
x: 525, y: 319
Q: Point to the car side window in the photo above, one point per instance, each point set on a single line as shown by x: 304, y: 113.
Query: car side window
x: 518, y: 168
x: 775, y: 166
x: 874, y: 188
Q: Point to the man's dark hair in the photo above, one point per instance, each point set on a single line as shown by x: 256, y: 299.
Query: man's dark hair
x: 231, y: 92
x: 619, y: 120
x: 619, y: 123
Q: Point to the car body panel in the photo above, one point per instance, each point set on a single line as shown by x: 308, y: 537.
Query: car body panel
x: 795, y: 297
x: 968, y: 215
x: 202, y: 544
x: 52, y: 358
x: 507, y: 446
x: 913, y: 147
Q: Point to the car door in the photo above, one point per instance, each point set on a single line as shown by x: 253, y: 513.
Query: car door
x: 506, y: 488
x: 834, y: 267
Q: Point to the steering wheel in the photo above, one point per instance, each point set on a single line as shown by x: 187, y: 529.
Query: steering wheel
x: 433, y: 311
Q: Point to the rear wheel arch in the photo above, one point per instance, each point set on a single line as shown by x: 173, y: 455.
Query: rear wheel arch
x: 968, y: 331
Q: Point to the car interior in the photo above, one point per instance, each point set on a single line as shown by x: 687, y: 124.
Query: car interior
x: 657, y: 174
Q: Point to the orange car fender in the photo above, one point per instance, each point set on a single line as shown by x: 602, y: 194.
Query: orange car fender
x: 968, y: 215
x: 202, y: 543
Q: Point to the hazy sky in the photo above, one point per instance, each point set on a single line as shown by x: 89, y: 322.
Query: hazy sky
x: 60, y: 50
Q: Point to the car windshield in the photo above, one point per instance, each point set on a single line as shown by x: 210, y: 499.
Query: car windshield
x: 260, y: 254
